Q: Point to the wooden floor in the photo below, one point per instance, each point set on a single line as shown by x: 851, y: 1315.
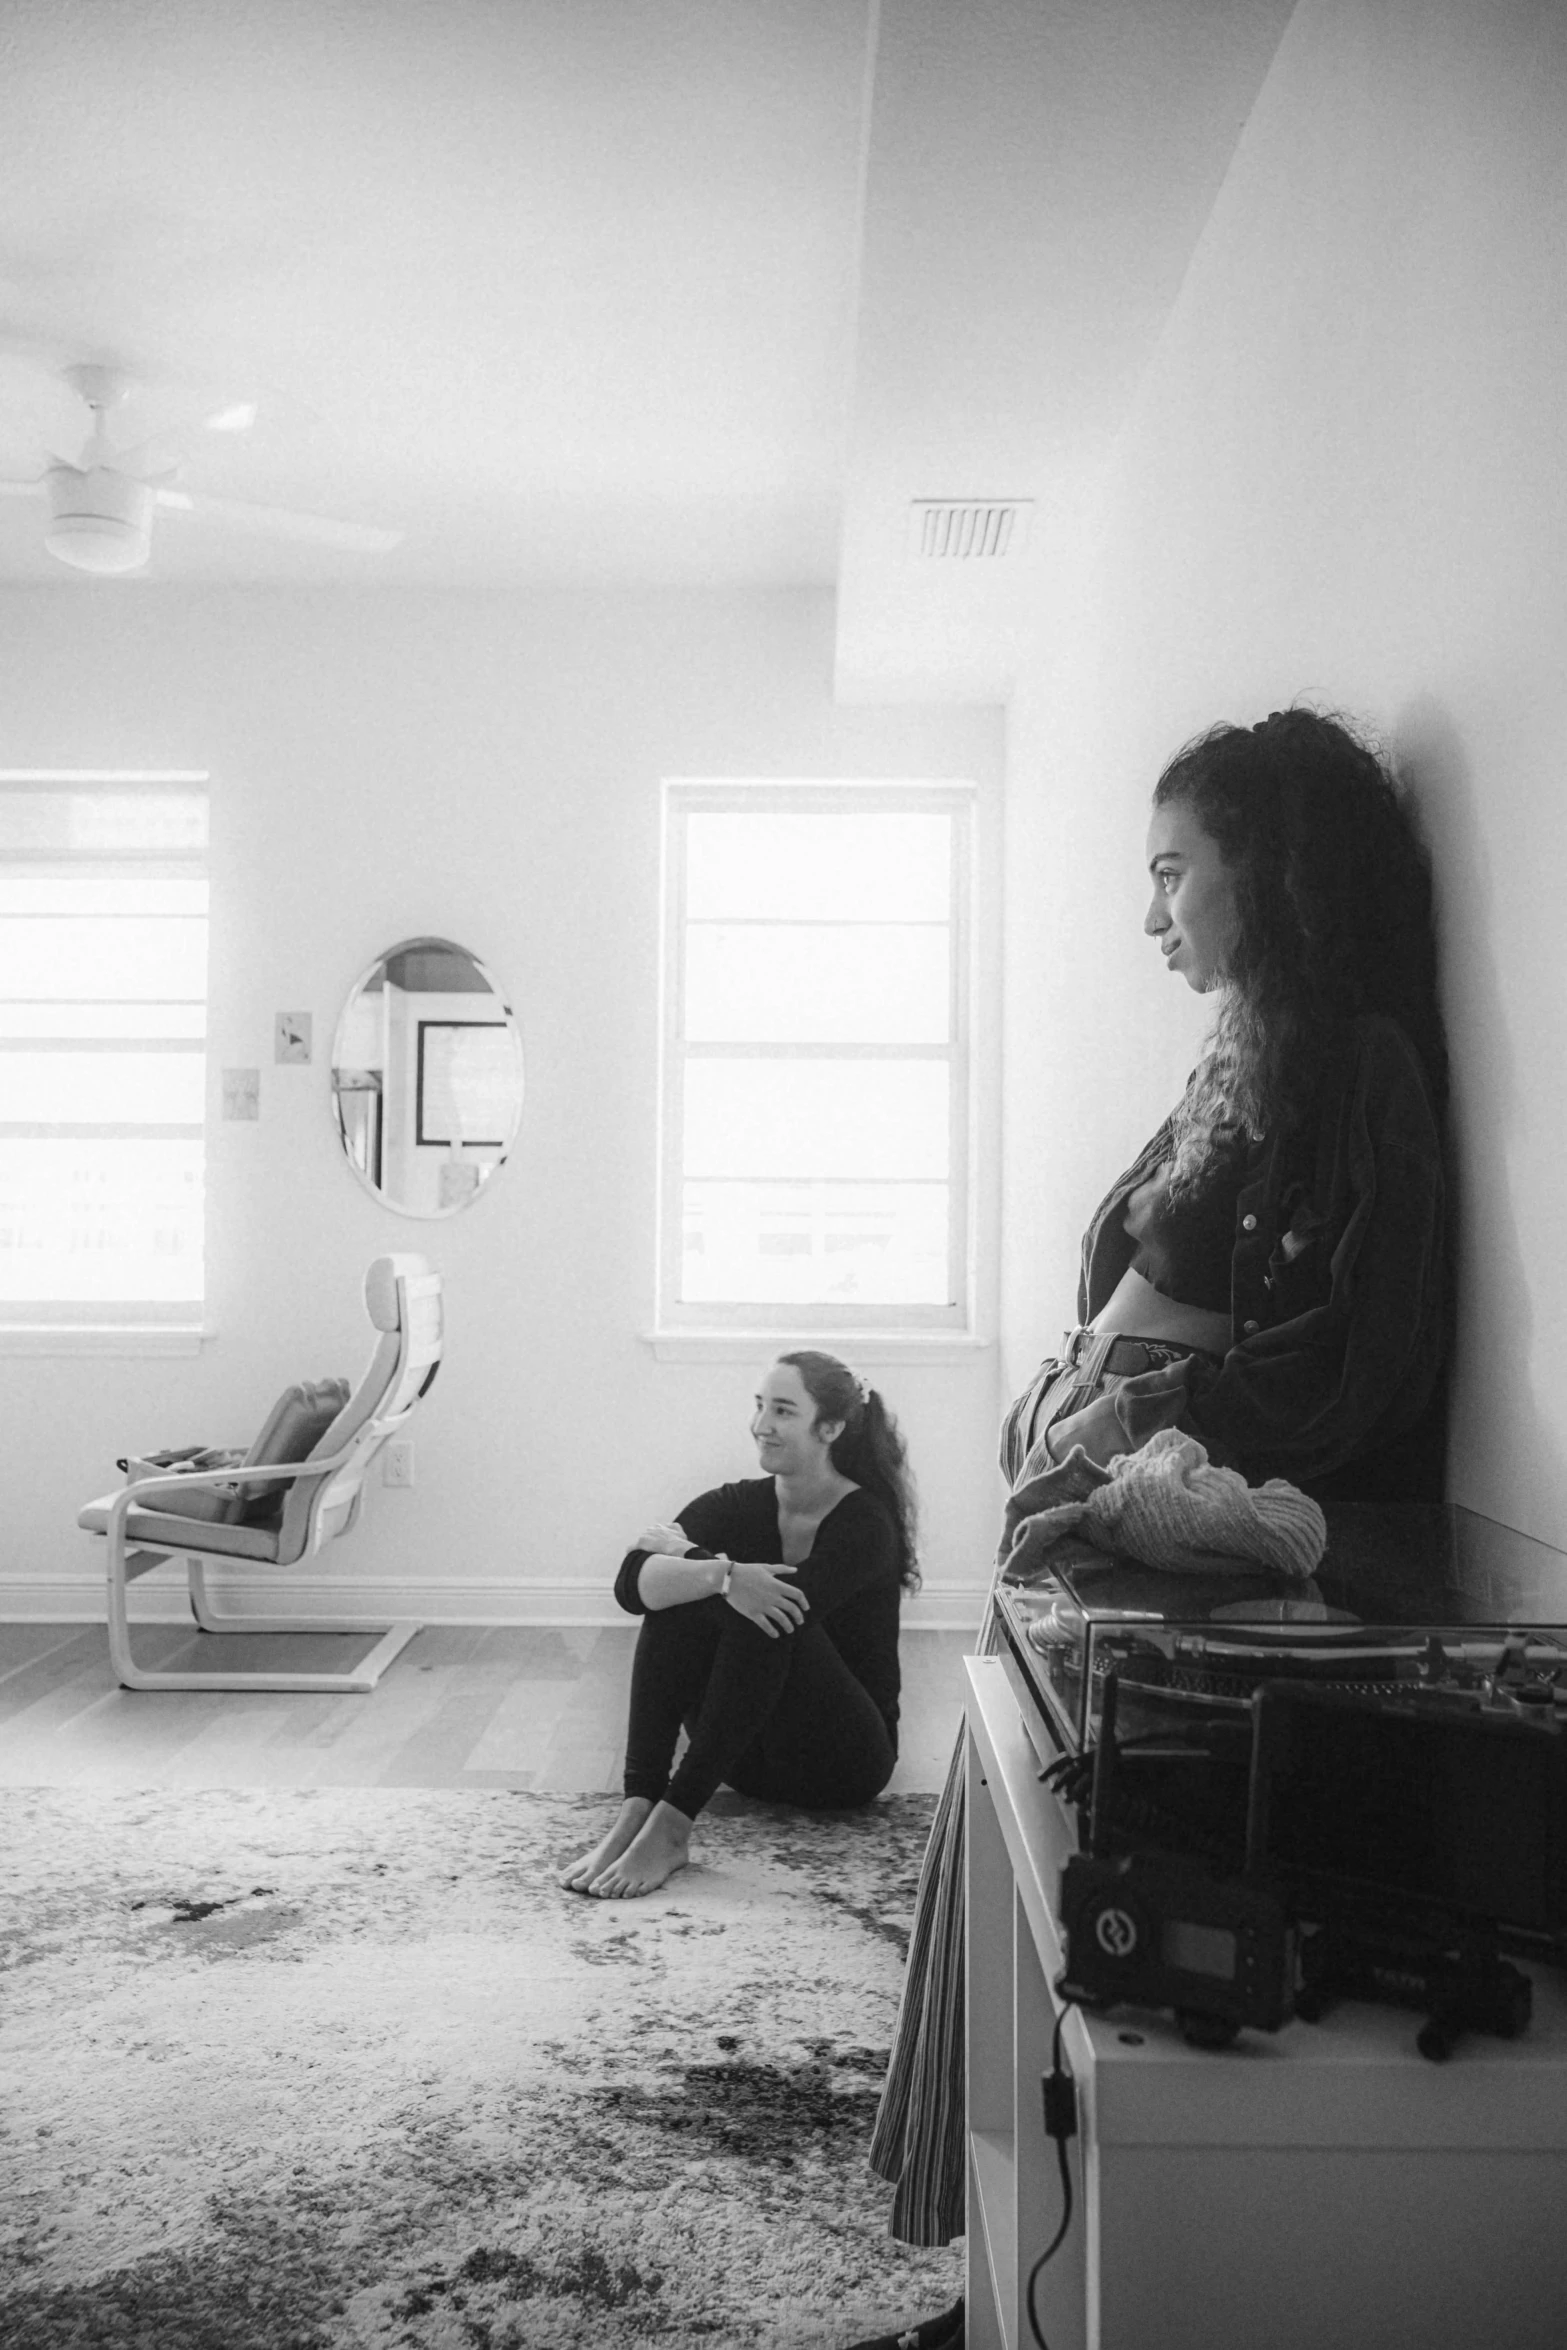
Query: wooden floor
x: 463, y: 1706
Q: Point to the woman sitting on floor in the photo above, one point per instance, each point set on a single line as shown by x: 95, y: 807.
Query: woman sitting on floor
x: 769, y: 1627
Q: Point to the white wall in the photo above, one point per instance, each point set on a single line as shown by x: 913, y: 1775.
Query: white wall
x: 1343, y: 480
x: 487, y: 769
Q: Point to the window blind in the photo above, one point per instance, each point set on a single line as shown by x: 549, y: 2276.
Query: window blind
x: 815, y: 1070
x: 103, y: 1024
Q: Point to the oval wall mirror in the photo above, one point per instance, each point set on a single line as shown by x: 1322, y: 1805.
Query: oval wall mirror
x: 427, y: 1078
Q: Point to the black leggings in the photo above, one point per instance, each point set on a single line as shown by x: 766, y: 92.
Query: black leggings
x: 782, y: 1719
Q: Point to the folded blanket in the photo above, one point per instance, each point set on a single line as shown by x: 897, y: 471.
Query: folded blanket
x: 1166, y: 1505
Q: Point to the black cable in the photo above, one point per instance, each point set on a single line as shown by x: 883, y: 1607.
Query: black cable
x: 1066, y: 1766
x: 1061, y: 2124
x: 1069, y: 1776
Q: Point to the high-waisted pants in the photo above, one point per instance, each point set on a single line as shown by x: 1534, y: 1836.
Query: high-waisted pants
x: 782, y: 1719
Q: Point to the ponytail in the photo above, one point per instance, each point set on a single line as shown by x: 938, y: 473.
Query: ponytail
x: 870, y: 1449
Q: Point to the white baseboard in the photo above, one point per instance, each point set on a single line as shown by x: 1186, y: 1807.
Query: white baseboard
x: 160, y: 1598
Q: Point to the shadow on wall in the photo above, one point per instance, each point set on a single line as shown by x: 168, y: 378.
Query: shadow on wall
x: 1497, y: 1429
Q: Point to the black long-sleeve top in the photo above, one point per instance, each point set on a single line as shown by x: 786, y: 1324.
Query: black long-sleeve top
x: 850, y: 1575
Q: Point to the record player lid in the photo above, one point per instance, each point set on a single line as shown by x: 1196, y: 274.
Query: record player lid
x: 1418, y: 1564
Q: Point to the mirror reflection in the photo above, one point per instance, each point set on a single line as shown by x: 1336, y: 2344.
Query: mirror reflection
x: 427, y: 1077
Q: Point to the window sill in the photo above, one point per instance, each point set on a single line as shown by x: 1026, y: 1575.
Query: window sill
x: 101, y: 1339
x: 860, y: 1347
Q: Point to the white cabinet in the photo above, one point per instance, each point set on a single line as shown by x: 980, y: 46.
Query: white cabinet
x: 1324, y: 2185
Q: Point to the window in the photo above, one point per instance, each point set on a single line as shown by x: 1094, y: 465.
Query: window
x: 815, y: 1109
x: 103, y: 1020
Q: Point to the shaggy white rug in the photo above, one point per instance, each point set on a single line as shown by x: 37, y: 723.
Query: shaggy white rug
x: 289, y: 2070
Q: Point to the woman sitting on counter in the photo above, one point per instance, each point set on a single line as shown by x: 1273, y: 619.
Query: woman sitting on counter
x: 1269, y: 1275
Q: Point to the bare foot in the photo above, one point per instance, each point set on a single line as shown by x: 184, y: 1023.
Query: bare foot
x: 579, y: 1877
x: 661, y: 1845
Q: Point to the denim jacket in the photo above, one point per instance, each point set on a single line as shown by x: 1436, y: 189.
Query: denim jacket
x: 1338, y: 1287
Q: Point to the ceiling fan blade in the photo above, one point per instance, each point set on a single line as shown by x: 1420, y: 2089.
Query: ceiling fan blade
x: 281, y: 522
x: 161, y: 452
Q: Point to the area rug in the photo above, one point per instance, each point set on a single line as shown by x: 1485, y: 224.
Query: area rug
x: 288, y: 2070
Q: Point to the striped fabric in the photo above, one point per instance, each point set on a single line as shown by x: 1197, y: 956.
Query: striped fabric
x: 919, y: 2143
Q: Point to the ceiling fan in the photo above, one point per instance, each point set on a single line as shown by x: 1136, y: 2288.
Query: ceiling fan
x: 101, y: 508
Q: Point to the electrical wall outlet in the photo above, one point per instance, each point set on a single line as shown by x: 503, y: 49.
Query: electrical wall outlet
x: 397, y: 1464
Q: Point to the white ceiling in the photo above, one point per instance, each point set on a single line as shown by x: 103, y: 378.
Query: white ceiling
x: 676, y: 291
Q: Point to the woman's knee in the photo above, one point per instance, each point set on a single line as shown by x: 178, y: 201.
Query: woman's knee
x: 695, y: 1626
x: 745, y: 1639
x: 723, y: 1658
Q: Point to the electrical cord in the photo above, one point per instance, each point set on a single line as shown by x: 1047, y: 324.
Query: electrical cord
x: 1060, y: 2095
x: 1070, y: 1776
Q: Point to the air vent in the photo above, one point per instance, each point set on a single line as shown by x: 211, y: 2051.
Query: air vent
x: 967, y: 529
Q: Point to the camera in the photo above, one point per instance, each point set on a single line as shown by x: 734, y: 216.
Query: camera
x: 1157, y: 1930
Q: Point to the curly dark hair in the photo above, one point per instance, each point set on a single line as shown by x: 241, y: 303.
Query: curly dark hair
x: 1333, y: 900
x: 871, y: 1449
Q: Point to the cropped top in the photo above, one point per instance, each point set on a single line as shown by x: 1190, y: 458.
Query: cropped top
x: 1183, y: 1247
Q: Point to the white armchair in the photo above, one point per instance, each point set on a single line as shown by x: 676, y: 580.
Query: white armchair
x: 321, y: 1498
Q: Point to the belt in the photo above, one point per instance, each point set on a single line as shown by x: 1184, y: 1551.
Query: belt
x: 1127, y: 1356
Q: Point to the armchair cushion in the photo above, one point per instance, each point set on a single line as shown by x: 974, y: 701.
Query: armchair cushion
x: 167, y: 1530
x: 291, y: 1431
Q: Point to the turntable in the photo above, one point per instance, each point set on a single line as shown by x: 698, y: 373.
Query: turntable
x: 1416, y: 1594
